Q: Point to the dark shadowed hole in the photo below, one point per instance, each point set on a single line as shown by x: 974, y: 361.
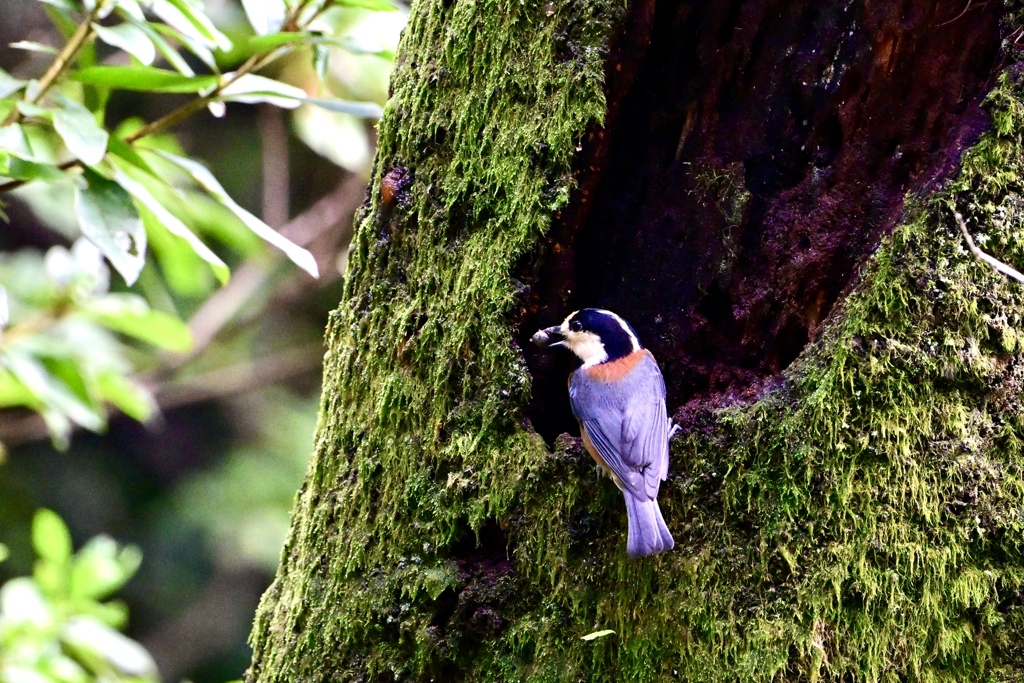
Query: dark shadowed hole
x: 754, y: 155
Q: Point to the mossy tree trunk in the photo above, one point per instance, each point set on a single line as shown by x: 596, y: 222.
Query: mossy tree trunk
x: 766, y: 190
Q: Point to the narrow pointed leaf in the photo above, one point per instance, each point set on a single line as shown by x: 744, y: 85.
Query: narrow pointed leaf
x: 123, y: 150
x: 173, y: 225
x: 109, y: 220
x: 131, y: 8
x: 131, y: 315
x: 189, y: 20
x: 302, y: 258
x: 363, y: 110
x: 130, y: 39
x: 165, y: 49
x: 193, y: 43
x: 32, y: 46
x: 374, y: 5
x: 274, y: 40
x: 253, y: 89
x: 266, y: 16
x: 145, y: 78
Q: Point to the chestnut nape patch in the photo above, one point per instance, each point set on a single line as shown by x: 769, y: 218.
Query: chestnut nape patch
x: 753, y: 155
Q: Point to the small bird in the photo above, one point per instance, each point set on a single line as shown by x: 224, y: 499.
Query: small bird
x: 618, y: 396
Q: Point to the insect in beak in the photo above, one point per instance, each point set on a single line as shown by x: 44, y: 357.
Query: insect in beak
x: 549, y: 337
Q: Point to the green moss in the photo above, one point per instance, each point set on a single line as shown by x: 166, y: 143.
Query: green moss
x: 862, y: 522
x: 418, y: 445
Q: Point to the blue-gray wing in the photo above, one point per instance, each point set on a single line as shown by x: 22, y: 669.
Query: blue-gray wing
x: 628, y: 424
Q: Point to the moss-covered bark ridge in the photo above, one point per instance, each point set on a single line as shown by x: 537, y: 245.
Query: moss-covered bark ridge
x: 861, y: 521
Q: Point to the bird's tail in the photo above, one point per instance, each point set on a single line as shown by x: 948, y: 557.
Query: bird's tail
x: 648, y: 533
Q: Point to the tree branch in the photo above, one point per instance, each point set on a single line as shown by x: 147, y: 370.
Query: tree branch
x: 66, y: 57
x: 982, y: 256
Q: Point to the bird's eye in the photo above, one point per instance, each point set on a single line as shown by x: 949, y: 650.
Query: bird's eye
x: 576, y: 326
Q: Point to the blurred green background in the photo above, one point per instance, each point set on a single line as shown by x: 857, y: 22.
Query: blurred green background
x: 204, y: 487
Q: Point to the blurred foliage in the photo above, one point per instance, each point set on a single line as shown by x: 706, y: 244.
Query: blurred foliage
x: 57, y: 624
x: 244, y: 503
x: 60, y: 351
x: 131, y: 186
x: 118, y: 235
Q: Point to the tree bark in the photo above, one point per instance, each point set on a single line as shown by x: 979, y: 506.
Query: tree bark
x: 766, y: 191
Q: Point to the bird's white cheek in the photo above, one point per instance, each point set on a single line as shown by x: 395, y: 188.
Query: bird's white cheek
x: 587, y: 346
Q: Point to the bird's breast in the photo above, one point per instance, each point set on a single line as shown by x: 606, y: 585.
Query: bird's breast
x: 616, y: 370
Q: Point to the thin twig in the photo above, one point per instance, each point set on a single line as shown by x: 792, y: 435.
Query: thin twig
x: 66, y: 57
x: 966, y: 7
x: 241, y: 377
x: 982, y: 256
x: 187, y: 110
x: 249, y: 279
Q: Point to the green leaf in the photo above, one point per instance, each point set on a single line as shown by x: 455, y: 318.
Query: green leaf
x: 109, y: 220
x: 597, y: 634
x: 9, y: 85
x: 130, y: 8
x: 100, y: 568
x: 130, y: 314
x: 22, y: 169
x: 265, y: 43
x: 266, y: 16
x: 168, y: 52
x: 113, y: 613
x: 144, y: 78
x: 32, y: 46
x: 129, y: 38
x: 50, y: 537
x: 321, y: 61
x: 367, y: 110
x: 172, y: 223
x: 302, y: 258
x: 269, y: 42
x: 61, y: 403
x: 14, y: 393
x: 4, y: 552
x: 14, y: 139
x: 194, y: 44
x: 76, y: 125
x: 189, y: 20
x: 93, y: 637
x: 123, y: 150
x: 61, y: 17
x: 374, y: 5
x: 23, y: 604
x: 184, y: 273
x: 131, y: 398
x: 253, y: 89
x: 65, y: 5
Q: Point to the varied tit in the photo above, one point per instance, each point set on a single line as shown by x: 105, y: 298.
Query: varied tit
x: 618, y: 396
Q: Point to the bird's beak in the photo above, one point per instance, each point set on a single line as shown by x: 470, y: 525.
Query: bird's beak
x: 549, y: 336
